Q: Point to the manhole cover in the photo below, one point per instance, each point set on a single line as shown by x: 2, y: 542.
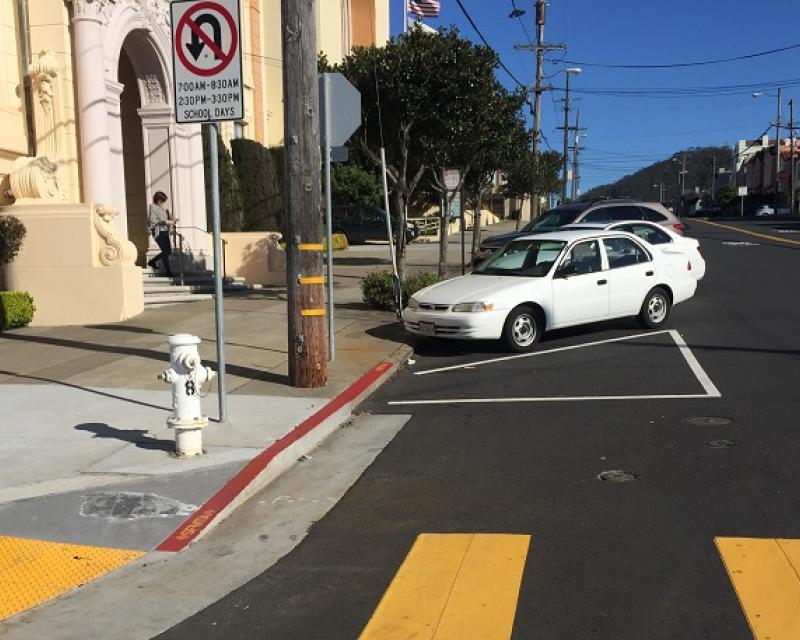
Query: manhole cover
x: 708, y: 421
x: 616, y: 475
x: 721, y: 444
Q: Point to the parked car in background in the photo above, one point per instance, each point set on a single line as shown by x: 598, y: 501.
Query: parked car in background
x: 553, y: 280
x: 596, y: 211
x: 764, y: 210
x: 363, y: 223
x: 662, y: 238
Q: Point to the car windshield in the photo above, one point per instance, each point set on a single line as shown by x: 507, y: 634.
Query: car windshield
x: 528, y: 258
x: 556, y: 218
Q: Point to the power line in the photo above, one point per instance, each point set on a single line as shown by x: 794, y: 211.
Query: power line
x: 676, y: 65
x: 480, y: 35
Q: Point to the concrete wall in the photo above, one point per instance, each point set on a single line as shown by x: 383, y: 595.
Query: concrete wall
x: 75, y: 264
x: 256, y: 257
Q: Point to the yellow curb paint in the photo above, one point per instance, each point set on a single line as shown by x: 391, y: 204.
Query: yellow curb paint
x: 312, y: 280
x: 765, y: 575
x: 750, y: 233
x: 310, y: 247
x: 33, y: 571
x: 453, y: 587
x: 312, y: 312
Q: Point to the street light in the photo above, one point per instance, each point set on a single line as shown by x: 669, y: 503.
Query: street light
x: 569, y: 71
x: 681, y: 182
x: 777, y: 95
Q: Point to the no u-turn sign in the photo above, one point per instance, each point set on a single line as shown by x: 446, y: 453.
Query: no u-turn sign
x: 207, y: 60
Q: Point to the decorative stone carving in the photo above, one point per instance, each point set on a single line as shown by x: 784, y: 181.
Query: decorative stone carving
x: 156, y: 10
x: 43, y: 73
x: 34, y: 178
x: 115, y: 249
x: 97, y: 9
x: 153, y: 89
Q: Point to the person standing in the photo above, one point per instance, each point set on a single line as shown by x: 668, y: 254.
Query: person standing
x: 159, y: 222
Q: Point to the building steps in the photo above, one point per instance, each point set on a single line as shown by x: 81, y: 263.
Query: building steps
x: 160, y: 291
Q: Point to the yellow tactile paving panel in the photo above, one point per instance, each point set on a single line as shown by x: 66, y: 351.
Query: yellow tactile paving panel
x: 766, y: 575
x: 32, y: 571
x: 453, y: 587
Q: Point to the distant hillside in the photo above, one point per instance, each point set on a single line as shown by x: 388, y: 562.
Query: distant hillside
x: 699, y: 163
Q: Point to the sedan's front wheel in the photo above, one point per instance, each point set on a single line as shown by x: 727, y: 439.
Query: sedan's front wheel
x: 655, y: 309
x: 522, y: 330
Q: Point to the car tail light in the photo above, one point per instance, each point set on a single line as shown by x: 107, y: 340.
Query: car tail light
x: 689, y: 265
x: 678, y: 227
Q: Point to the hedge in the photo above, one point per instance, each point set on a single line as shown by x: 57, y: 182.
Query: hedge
x: 12, y: 233
x: 16, y: 309
x: 378, y: 292
x: 260, y: 172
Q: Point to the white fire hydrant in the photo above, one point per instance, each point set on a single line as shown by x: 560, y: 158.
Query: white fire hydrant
x: 187, y: 376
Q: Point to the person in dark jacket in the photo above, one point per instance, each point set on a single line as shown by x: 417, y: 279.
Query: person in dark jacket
x: 159, y: 222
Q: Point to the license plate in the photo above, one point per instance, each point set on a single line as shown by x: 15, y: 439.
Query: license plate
x: 427, y: 328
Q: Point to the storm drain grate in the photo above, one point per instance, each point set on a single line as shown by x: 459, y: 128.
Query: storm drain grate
x: 616, y: 475
x: 708, y: 421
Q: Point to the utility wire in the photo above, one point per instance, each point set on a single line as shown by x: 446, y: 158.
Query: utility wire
x: 480, y: 35
x: 676, y: 65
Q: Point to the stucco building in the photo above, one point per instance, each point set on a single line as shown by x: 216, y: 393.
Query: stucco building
x: 85, y: 105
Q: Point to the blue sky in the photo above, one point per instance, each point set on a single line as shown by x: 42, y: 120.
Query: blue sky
x: 626, y: 133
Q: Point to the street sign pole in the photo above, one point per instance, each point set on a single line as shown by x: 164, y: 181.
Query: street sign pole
x: 219, y: 304
x: 326, y: 102
x: 208, y: 89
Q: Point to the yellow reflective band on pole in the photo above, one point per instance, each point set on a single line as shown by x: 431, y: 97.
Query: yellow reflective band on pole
x: 312, y: 279
x: 312, y: 312
x: 310, y: 247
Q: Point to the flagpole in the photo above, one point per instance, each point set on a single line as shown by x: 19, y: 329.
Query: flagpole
x: 405, y: 16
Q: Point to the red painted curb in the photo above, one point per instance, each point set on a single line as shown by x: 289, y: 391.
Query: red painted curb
x: 197, y: 522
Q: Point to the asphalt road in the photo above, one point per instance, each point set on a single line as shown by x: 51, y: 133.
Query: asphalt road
x: 606, y: 560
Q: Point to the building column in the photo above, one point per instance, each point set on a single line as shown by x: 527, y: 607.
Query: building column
x: 116, y: 161
x: 92, y: 106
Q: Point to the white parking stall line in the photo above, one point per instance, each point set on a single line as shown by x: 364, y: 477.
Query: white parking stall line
x: 533, y: 354
x: 688, y: 396
x: 699, y: 373
x: 694, y: 365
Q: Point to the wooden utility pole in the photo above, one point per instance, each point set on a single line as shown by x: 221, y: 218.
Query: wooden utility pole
x: 305, y: 284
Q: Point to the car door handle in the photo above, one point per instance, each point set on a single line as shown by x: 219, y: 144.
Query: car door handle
x: 648, y: 273
x: 602, y: 282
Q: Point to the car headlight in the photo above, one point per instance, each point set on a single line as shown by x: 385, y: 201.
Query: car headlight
x: 473, y: 307
x: 412, y: 303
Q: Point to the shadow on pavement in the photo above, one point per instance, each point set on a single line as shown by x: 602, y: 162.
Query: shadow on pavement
x: 160, y: 356
x: 86, y: 389
x: 137, y: 437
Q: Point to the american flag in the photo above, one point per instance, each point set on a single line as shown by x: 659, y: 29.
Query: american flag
x: 424, y: 8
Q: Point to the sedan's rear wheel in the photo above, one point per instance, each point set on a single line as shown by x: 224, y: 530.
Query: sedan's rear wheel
x: 655, y: 309
x: 522, y: 329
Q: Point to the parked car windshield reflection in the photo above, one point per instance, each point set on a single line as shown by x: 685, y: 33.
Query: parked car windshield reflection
x: 528, y: 258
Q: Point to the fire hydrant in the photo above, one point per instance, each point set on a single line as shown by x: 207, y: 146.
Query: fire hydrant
x: 187, y: 376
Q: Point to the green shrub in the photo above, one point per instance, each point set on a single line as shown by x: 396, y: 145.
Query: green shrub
x: 260, y: 173
x: 378, y: 292
x: 12, y: 232
x: 230, y: 196
x: 16, y: 309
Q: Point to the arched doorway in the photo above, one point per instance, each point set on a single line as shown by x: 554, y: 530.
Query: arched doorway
x: 133, y: 157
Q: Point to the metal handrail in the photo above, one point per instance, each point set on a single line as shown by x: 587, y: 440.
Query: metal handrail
x: 224, y: 246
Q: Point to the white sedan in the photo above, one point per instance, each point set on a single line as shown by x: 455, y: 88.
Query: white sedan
x: 662, y: 238
x: 554, y: 280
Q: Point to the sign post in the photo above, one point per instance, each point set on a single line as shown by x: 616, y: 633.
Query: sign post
x: 341, y: 115
x: 207, y: 77
x: 742, y: 193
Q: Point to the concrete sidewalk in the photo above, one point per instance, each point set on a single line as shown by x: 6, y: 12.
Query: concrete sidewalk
x: 87, y: 479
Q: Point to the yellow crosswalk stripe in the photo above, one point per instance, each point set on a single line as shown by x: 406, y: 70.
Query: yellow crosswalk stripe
x: 33, y: 571
x: 453, y: 587
x: 765, y: 574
